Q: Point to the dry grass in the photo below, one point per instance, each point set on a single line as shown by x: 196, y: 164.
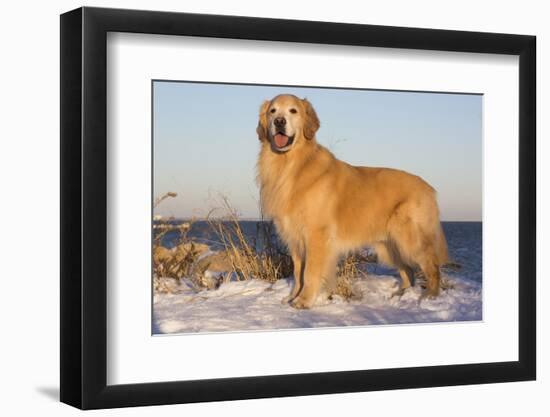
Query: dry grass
x: 160, y: 199
x: 349, y: 269
x: 177, y: 262
x: 173, y: 263
x: 248, y: 261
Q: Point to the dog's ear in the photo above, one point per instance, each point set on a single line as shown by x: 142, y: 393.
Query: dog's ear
x: 311, y: 124
x: 261, y: 130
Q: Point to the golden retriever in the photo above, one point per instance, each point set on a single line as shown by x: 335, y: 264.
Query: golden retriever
x: 324, y: 208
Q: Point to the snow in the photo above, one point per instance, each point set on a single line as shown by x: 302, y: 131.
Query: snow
x: 256, y: 305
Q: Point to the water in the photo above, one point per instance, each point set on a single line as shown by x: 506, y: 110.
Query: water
x: 465, y: 243
x: 463, y: 238
x: 202, y: 232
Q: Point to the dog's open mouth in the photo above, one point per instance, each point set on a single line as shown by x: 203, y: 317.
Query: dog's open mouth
x: 282, y: 141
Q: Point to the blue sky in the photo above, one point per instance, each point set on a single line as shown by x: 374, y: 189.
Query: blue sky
x: 205, y: 141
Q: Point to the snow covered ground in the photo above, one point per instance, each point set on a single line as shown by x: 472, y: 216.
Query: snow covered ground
x: 256, y: 305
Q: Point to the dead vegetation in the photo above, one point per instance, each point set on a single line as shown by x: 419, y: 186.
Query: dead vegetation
x: 349, y: 270
x: 177, y: 262
x: 260, y: 258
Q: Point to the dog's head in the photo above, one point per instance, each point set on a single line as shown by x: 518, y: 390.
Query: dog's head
x: 285, y: 121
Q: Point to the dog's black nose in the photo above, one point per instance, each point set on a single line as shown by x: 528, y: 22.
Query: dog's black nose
x: 280, y: 121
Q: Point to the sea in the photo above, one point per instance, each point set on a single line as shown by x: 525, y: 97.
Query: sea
x: 464, y: 240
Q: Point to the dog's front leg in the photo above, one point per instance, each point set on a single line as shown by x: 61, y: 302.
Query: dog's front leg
x: 320, y: 267
x: 297, y: 260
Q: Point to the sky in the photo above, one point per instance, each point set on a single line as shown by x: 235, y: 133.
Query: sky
x: 205, y: 143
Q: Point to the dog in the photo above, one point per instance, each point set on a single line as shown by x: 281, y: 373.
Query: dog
x: 323, y: 207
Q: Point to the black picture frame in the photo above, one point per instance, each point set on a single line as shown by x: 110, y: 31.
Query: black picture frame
x: 84, y: 207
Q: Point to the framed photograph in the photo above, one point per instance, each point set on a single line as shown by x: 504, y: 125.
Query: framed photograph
x: 257, y: 208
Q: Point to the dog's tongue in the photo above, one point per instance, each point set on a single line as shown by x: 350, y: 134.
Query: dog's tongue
x: 281, y: 140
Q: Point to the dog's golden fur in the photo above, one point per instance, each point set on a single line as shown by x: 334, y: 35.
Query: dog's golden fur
x: 323, y: 207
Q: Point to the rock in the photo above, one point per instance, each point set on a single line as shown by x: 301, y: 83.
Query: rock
x: 216, y: 262
x: 190, y: 248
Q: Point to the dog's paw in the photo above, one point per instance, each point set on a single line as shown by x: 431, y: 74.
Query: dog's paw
x: 428, y: 295
x: 431, y: 294
x: 287, y: 299
x: 398, y: 293
x: 301, y: 304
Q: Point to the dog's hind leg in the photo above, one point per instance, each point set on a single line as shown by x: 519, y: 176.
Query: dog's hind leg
x: 407, y: 280
x: 416, y: 243
x: 389, y: 255
x: 428, y: 263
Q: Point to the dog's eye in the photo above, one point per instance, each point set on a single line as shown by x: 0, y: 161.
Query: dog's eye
x: 293, y: 111
x: 272, y: 110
